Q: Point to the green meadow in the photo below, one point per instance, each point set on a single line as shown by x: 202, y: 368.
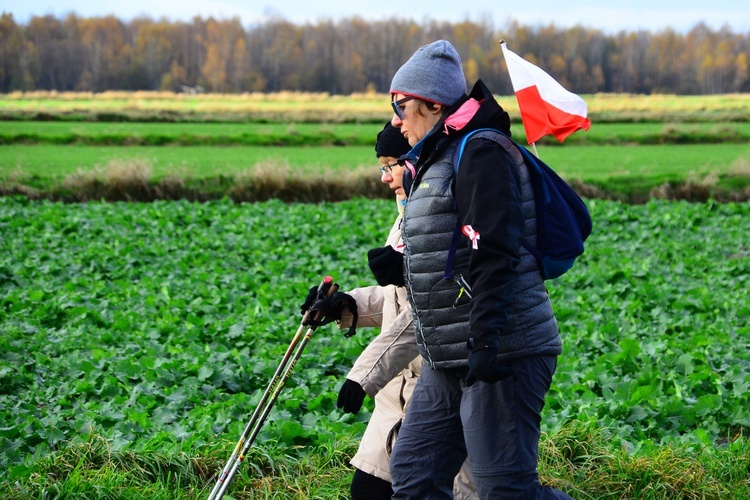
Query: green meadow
x: 72, y: 146
x: 625, y: 172
x: 138, y: 337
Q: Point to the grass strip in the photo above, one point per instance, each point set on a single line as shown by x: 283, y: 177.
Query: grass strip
x: 581, y: 459
x: 81, y: 173
x: 308, y: 134
x: 301, y: 107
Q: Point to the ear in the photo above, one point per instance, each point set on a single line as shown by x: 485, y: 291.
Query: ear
x: 437, y: 109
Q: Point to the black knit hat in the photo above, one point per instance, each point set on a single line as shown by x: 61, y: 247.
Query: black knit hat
x: 391, y: 143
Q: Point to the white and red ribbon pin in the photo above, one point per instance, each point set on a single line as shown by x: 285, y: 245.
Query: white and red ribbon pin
x: 472, y: 235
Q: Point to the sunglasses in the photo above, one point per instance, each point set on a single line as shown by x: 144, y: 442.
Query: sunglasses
x: 398, y: 106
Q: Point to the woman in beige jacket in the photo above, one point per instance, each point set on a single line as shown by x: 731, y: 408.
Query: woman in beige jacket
x: 389, y: 366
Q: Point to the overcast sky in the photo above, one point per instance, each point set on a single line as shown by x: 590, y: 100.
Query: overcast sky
x: 610, y: 17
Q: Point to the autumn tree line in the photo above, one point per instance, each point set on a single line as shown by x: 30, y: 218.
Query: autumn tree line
x: 353, y: 55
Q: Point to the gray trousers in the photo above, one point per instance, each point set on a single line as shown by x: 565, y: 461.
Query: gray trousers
x: 496, y: 425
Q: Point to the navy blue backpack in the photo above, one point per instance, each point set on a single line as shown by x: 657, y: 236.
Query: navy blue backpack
x: 563, y: 221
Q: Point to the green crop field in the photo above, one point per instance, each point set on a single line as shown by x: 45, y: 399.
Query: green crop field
x: 156, y: 326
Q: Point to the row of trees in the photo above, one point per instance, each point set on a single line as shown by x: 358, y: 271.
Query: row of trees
x: 353, y: 55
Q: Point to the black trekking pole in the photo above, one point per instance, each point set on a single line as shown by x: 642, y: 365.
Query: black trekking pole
x: 326, y: 289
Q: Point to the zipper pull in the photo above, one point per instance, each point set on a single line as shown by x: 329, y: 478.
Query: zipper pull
x: 460, y: 293
x: 464, y: 285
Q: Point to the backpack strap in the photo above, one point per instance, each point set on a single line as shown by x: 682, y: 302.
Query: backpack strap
x: 457, y: 153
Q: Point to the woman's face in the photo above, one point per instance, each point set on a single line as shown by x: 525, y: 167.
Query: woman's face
x: 393, y: 175
x: 416, y: 119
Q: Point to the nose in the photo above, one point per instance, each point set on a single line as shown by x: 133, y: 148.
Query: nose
x: 396, y: 121
x: 385, y: 177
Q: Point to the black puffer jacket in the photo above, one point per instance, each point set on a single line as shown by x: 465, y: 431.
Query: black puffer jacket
x: 494, y: 199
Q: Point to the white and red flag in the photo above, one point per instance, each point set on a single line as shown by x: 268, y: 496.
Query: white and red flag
x: 546, y: 107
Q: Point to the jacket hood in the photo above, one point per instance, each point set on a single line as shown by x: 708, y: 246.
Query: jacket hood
x: 477, y: 110
x: 489, y: 112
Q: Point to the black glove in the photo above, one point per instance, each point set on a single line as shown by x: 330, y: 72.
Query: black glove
x: 336, y: 305
x: 484, y: 365
x: 387, y: 265
x: 310, y: 300
x: 351, y: 397
x: 332, y: 308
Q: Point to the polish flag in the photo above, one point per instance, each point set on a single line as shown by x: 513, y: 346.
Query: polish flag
x: 546, y: 107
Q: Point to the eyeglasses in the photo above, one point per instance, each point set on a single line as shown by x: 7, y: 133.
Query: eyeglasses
x: 397, y: 106
x: 388, y: 169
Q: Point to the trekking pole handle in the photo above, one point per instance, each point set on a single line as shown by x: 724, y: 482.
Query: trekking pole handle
x: 331, y: 290
x: 325, y: 290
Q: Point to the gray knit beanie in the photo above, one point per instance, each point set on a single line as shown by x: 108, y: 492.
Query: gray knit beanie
x: 433, y: 73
